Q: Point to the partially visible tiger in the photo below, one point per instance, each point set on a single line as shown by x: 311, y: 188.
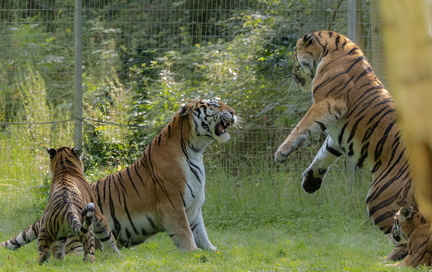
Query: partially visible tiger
x: 164, y: 189
x: 358, y: 114
x: 410, y: 225
x: 70, y: 209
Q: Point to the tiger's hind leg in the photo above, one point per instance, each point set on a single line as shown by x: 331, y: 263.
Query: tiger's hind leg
x: 315, y: 174
x: 88, y: 241
x: 384, y: 201
x: 73, y: 245
x: 44, y: 245
x: 103, y: 232
x: 87, y: 234
x: 58, y: 248
x: 177, y: 226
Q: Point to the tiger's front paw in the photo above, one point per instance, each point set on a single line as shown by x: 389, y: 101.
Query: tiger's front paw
x: 310, y: 182
x: 288, y: 147
x: 280, y: 156
x: 212, y: 248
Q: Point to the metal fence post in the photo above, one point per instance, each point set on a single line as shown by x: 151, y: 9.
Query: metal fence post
x: 352, y: 34
x: 352, y: 20
x: 78, y: 74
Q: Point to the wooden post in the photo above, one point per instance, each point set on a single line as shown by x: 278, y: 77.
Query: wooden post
x: 407, y: 51
x: 356, y: 24
x: 377, y: 59
x: 352, y: 20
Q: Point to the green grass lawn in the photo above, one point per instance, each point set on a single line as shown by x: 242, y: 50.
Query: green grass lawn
x: 271, y: 248
x: 258, y: 223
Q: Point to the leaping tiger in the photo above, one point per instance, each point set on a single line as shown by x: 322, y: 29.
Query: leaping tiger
x: 164, y: 189
x: 358, y: 114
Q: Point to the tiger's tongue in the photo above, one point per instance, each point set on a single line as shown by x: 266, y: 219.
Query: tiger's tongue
x: 220, y: 129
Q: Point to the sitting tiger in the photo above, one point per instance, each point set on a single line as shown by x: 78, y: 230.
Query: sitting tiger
x: 70, y: 209
x: 353, y: 107
x: 164, y: 189
x: 410, y: 225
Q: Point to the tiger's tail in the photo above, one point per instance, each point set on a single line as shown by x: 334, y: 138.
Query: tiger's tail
x: 23, y: 238
x: 88, y: 216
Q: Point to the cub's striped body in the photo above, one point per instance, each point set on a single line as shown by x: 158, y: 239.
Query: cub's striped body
x: 358, y: 114
x: 70, y: 210
x: 164, y: 189
x: 410, y: 225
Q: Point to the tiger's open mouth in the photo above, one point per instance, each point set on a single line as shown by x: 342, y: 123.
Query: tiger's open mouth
x: 223, y: 125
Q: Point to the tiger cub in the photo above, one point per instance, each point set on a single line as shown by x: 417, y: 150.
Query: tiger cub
x: 70, y: 210
x: 410, y: 225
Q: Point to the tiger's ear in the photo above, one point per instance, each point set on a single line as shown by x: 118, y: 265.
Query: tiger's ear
x: 422, y: 218
x: 188, y: 108
x: 308, y: 38
x: 407, y: 212
x: 184, y: 111
x: 78, y: 153
x: 51, y: 152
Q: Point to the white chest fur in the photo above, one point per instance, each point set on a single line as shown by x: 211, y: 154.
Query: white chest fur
x: 193, y: 194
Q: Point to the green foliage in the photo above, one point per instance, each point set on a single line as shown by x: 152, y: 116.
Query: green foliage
x: 30, y: 44
x: 141, y: 73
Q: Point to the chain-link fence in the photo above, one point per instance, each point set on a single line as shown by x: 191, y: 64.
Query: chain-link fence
x: 142, y: 59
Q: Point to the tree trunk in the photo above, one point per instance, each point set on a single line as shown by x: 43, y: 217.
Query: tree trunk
x: 377, y: 60
x: 408, y: 48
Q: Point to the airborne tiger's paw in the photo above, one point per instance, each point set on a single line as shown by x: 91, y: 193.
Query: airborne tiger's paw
x: 280, y: 157
x: 310, y: 182
x: 288, y: 147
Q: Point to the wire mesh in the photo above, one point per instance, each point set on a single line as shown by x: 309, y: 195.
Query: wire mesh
x: 142, y: 60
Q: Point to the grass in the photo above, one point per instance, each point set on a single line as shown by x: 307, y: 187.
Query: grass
x: 260, y: 222
x: 270, y: 248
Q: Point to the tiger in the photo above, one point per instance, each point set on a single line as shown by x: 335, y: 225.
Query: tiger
x: 352, y: 106
x: 410, y: 225
x: 70, y: 209
x: 163, y: 191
